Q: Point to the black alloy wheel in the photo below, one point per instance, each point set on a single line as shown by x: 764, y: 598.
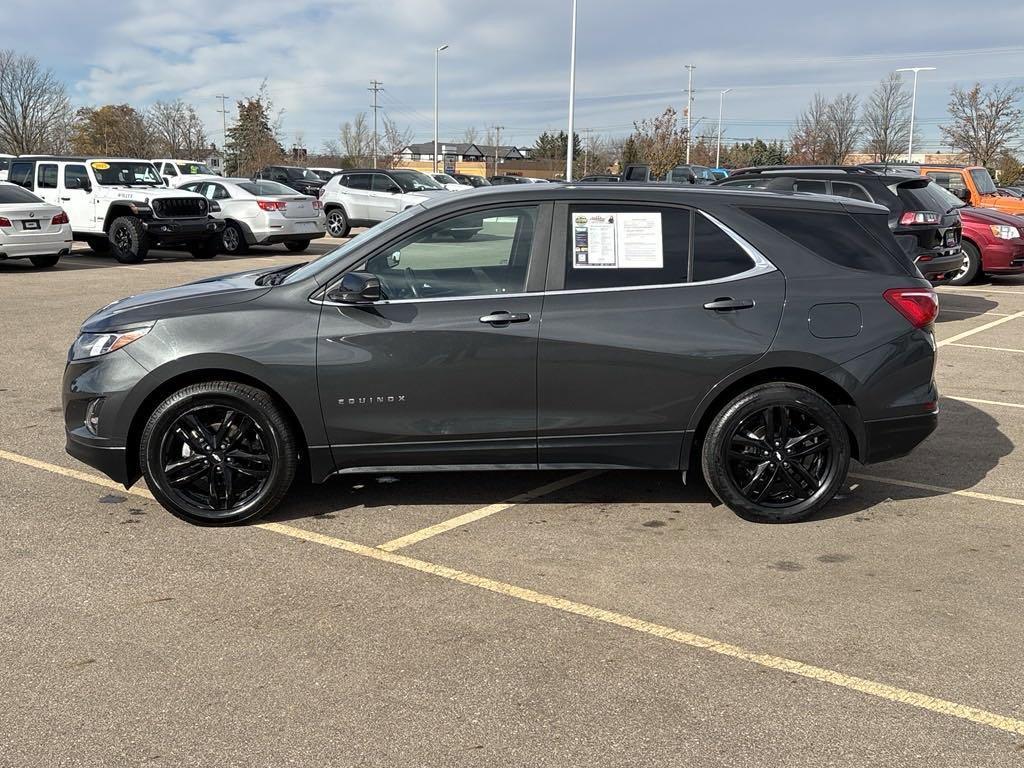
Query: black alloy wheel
x: 776, y: 453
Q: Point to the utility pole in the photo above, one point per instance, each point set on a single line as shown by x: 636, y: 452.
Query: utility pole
x: 375, y: 87
x: 689, y: 106
x: 718, y: 149
x: 437, y: 55
x: 586, y: 152
x: 572, y: 95
x: 224, y: 119
x: 913, y: 107
x: 497, y: 143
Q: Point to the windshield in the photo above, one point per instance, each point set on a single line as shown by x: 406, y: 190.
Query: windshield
x: 302, y: 173
x: 127, y: 173
x: 196, y: 169
x: 414, y: 181
x: 444, y: 178
x: 983, y: 181
x: 264, y: 187
x: 328, y: 260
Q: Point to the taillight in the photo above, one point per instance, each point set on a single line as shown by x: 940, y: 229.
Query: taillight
x: 919, y: 217
x: 4, y: 222
x: 272, y: 205
x: 919, y: 305
x: 60, y: 218
x: 318, y: 205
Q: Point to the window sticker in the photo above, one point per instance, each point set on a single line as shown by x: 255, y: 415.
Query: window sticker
x: 617, y: 241
x: 101, y: 166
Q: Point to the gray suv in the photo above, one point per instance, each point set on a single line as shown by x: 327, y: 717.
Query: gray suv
x: 765, y: 339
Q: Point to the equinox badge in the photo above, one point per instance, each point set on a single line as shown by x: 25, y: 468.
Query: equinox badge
x: 372, y: 400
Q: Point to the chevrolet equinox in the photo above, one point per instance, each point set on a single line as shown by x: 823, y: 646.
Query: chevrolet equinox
x: 766, y: 338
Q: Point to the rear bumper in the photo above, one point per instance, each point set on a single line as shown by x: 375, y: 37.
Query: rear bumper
x: 45, y: 244
x: 891, y: 438
x: 167, y: 231
x: 936, y: 267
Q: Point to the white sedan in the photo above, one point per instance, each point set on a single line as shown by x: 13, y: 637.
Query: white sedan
x: 31, y: 228
x: 263, y: 212
x: 449, y: 183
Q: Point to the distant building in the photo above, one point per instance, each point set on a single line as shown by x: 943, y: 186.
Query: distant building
x: 466, y: 153
x: 214, y: 158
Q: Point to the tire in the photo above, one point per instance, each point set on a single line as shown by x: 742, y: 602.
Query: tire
x: 128, y: 240
x: 337, y: 223
x: 98, y: 245
x: 232, y: 240
x: 462, y: 234
x: 207, y: 249
x: 971, y: 269
x: 44, y: 262
x: 778, y: 480
x: 297, y: 246
x: 218, y: 453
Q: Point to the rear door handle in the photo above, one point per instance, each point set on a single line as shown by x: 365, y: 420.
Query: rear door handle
x: 729, y: 304
x: 65, y: 199
x: 503, y: 318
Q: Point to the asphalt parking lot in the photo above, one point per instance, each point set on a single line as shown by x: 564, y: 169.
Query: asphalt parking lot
x: 538, y: 619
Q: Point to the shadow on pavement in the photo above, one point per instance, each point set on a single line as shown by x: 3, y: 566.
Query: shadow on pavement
x: 958, y: 306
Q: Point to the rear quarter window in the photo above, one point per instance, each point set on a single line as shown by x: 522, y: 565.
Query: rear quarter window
x: 838, y: 237
x: 12, y: 194
x: 715, y: 254
x: 21, y: 174
x: 927, y: 197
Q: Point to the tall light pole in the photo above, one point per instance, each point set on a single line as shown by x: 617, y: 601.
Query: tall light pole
x: 913, y: 107
x: 572, y: 96
x: 437, y: 54
x: 718, y: 150
x: 689, y: 105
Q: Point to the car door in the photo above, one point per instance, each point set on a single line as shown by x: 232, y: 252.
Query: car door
x: 46, y: 183
x: 443, y: 369
x: 356, y: 190
x: 648, y: 308
x: 76, y: 198
x: 385, y: 198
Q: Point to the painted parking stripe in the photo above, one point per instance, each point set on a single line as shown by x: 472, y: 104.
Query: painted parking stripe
x: 938, y: 489
x: 779, y: 663
x: 979, y: 329
x: 972, y: 312
x: 982, y: 402
x: 479, y: 514
x: 992, y: 349
x: 957, y: 290
x: 74, y: 473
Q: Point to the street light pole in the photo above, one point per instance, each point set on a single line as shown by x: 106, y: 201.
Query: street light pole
x: 718, y: 150
x: 572, y: 96
x: 913, y: 107
x: 689, y: 106
x: 437, y: 53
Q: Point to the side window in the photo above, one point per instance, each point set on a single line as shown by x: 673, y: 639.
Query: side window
x: 276, y: 174
x: 170, y: 170
x: 75, y: 177
x: 46, y: 176
x: 358, y: 181
x: 383, y: 183
x: 810, y: 185
x: 854, y: 191
x: 477, y: 254
x: 715, y: 254
x: 621, y: 246
x: 219, y: 193
x: 21, y: 174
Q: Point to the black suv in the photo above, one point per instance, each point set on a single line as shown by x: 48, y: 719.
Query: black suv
x: 766, y: 337
x: 302, y: 180
x: 924, y: 217
x: 471, y: 180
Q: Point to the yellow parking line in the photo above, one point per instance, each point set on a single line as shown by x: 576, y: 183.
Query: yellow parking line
x: 992, y: 349
x: 954, y: 291
x: 972, y: 312
x: 939, y: 489
x: 769, y: 661
x: 979, y: 329
x: 982, y: 402
x: 479, y: 514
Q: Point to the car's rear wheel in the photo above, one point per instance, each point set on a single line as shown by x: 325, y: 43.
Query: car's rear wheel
x: 971, y: 267
x: 337, y: 223
x: 297, y: 246
x: 44, y: 262
x: 218, y: 453
x: 776, y: 453
x: 233, y: 240
x: 127, y: 239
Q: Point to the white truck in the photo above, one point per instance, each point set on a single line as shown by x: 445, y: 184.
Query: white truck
x: 121, y: 205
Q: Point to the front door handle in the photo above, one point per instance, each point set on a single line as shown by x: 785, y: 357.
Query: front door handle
x: 503, y: 318
x: 729, y: 304
x: 66, y: 199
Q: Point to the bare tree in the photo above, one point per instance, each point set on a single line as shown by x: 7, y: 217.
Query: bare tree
x: 395, y: 139
x: 469, y: 136
x: 809, y: 136
x: 984, y: 124
x: 661, y: 142
x: 357, y: 140
x: 842, y: 128
x: 177, y: 130
x: 886, y: 119
x: 35, y: 114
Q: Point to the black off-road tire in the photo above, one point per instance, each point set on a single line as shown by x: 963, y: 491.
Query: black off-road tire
x: 297, y: 246
x: 719, y: 446
x: 275, y: 434
x: 98, y: 245
x: 44, y: 262
x: 337, y: 223
x: 972, y: 266
x: 128, y: 240
x: 207, y: 249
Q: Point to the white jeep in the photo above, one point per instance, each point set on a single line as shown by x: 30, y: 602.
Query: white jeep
x: 121, y: 205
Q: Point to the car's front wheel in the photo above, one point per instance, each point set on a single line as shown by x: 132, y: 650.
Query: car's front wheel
x: 206, y: 249
x: 44, y: 262
x: 337, y: 223
x: 218, y: 453
x: 971, y: 268
x: 127, y: 238
x: 776, y: 453
x: 296, y: 246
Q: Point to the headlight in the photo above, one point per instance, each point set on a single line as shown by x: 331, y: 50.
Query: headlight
x: 89, y: 345
x: 1005, y: 232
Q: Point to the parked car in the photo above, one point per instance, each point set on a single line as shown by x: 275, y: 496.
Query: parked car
x: 1017, y: 192
x: 923, y: 217
x: 121, y: 206
x: 179, y: 172
x: 31, y: 228
x: 363, y: 197
x: 767, y: 337
x: 720, y: 173
x: 681, y: 174
x: 601, y: 177
x: 993, y: 244
x: 471, y: 180
x: 5, y: 164
x: 449, y: 183
x: 326, y: 173
x: 504, y: 179
x: 262, y: 213
x: 302, y: 180
x: 972, y: 184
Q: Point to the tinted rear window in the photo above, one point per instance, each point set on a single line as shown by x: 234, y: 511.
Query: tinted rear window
x: 12, y: 194
x: 837, y: 237
x: 715, y: 254
x: 21, y: 174
x: 927, y: 197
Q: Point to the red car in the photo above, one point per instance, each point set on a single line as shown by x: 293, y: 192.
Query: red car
x: 993, y: 244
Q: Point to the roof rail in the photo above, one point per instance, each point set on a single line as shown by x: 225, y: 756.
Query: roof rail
x: 850, y: 169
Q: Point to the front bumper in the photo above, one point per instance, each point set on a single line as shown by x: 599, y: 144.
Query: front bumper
x: 184, y: 230
x: 111, y: 460
x: 892, y: 438
x: 1005, y: 257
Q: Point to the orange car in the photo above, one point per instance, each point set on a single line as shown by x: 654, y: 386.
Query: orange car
x: 974, y: 186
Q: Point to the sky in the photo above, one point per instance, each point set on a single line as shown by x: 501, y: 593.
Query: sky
x: 508, y: 60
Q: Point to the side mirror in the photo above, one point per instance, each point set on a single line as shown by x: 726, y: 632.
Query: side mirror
x: 394, y: 189
x: 356, y: 288
x: 78, y: 183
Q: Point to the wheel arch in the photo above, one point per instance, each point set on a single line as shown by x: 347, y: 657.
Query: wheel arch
x: 116, y: 211
x: 978, y: 248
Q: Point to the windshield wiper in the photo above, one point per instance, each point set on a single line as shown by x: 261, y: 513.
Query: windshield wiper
x: 278, y: 275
